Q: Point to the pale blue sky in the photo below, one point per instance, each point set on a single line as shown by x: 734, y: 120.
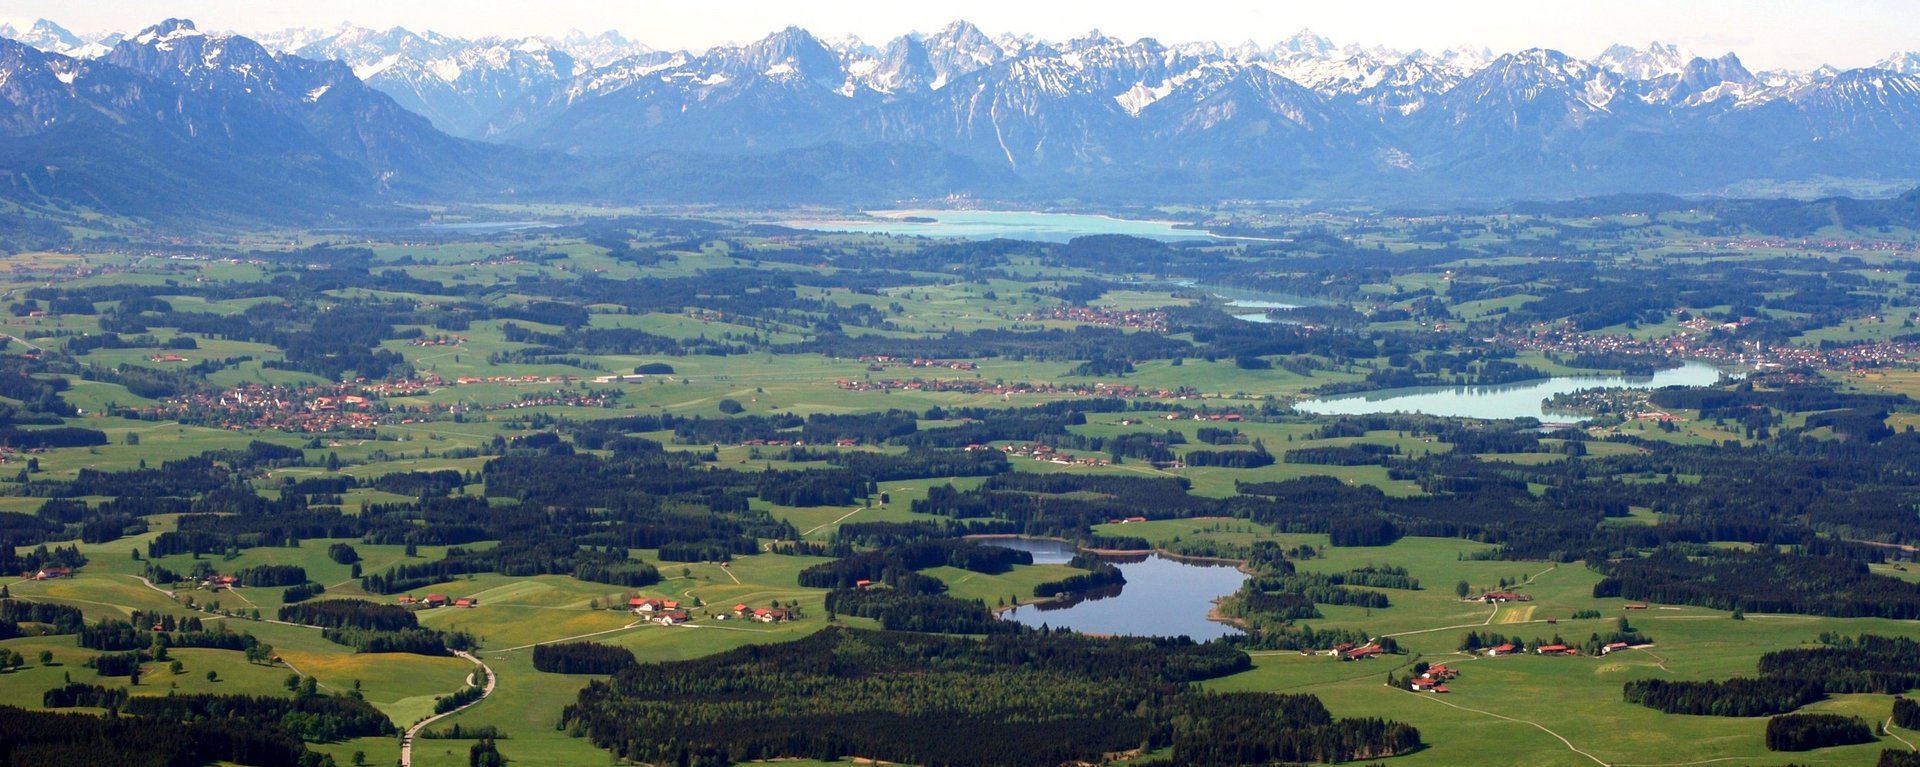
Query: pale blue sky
x: 1766, y: 33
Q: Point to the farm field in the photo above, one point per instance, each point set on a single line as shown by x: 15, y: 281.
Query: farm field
x: 563, y: 425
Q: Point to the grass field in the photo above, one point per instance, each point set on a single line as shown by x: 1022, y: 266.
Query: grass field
x: 1526, y: 710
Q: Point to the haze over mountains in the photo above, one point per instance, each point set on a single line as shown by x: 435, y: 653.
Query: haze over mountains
x: 346, y: 114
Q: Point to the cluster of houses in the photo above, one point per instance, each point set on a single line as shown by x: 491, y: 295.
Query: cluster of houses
x: 1434, y: 679
x: 1217, y: 417
x: 666, y: 612
x: 1149, y: 320
x: 1760, y: 354
x: 438, y: 600
x: 438, y: 340
x: 1006, y: 390
x: 1654, y: 416
x: 879, y: 362
x: 514, y: 380
x: 669, y: 612
x: 1046, y: 453
x: 797, y: 442
x: 220, y: 582
x: 354, y: 405
x: 1512, y: 648
x: 1496, y: 597
x: 763, y: 614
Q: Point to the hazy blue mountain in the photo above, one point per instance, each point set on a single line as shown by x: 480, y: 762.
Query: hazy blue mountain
x: 364, y: 114
x: 174, y: 124
x: 459, y: 84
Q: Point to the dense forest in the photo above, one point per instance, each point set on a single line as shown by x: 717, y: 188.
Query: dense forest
x: 1806, y: 732
x: 581, y: 658
x: 1761, y: 581
x: 38, y: 737
x: 1792, y: 678
x: 1008, y: 699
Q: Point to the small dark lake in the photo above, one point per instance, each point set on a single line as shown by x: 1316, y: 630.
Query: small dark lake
x: 1162, y: 597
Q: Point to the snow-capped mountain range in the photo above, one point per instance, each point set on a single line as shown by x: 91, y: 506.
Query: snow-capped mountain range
x: 1131, y: 118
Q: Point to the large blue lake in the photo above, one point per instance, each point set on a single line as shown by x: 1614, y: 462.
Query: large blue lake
x: 1162, y: 597
x: 988, y: 224
x: 1516, y: 400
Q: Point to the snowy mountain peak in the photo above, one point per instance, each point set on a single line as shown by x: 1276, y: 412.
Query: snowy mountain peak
x: 44, y: 35
x: 598, y: 50
x: 167, y: 31
x: 1904, y: 62
x: 960, y: 49
x: 1655, y: 60
x: 1093, y: 39
x: 963, y: 31
x: 1306, y: 43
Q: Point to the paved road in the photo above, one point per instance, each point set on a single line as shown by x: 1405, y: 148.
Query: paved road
x: 406, y: 742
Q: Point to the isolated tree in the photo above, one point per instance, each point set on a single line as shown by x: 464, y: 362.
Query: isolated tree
x: 484, y: 754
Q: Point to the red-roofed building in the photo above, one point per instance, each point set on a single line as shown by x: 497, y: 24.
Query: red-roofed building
x: 435, y: 600
x: 1362, y: 653
x: 1556, y: 649
x: 466, y: 602
x: 1505, y: 649
x: 1612, y: 646
x: 1507, y: 596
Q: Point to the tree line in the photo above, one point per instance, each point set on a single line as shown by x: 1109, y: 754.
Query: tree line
x: 1017, y: 698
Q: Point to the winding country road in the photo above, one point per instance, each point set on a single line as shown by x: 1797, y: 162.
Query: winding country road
x: 1889, y: 727
x: 406, y: 742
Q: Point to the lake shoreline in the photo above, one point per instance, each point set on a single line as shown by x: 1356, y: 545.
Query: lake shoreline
x: 1239, y: 564
x: 1520, y: 399
x: 1213, y: 611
